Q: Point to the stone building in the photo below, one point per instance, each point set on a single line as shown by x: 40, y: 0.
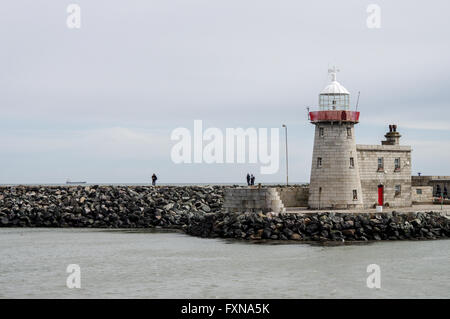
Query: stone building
x: 345, y: 175
x: 439, y: 186
x: 385, y: 172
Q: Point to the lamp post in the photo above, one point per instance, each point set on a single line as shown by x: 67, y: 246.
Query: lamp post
x: 287, y: 166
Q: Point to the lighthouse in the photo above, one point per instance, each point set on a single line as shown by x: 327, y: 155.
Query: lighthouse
x: 335, y: 178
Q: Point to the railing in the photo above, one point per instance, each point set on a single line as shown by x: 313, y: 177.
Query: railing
x: 334, y: 116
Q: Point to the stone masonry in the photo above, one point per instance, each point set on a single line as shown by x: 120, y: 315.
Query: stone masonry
x: 335, y: 181
x: 252, y: 199
x: 421, y: 195
x: 294, y: 196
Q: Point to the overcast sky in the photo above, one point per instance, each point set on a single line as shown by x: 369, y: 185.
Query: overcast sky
x: 99, y: 103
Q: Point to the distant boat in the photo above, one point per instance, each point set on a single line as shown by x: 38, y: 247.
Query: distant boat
x: 70, y: 182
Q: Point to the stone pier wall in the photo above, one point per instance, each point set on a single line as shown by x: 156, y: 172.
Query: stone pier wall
x: 294, y: 196
x: 252, y: 199
x: 422, y: 194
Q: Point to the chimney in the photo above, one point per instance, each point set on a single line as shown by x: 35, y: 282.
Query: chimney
x: 392, y: 137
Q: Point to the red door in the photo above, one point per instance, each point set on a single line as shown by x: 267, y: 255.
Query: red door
x: 380, y: 195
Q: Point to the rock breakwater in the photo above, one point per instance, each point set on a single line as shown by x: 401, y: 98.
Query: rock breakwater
x: 197, y: 210
x: 106, y: 206
x: 321, y: 226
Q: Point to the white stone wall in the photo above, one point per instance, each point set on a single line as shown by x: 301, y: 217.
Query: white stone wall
x: 335, y: 176
x: 294, y: 196
x: 371, y: 177
x: 252, y: 199
x: 424, y: 196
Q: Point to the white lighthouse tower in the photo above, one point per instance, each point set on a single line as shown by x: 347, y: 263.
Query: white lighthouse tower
x: 335, y: 182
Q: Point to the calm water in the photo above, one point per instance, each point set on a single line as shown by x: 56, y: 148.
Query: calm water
x: 122, y: 264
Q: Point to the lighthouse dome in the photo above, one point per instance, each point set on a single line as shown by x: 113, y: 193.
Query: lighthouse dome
x: 334, y: 88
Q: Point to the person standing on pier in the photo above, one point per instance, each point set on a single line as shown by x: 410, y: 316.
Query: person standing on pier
x: 154, y: 178
x: 248, y: 179
x: 252, y: 180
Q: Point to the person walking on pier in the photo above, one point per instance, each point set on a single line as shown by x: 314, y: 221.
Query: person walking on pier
x: 154, y: 178
x: 248, y: 179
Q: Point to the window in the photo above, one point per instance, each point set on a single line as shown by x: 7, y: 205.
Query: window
x: 397, y: 189
x: 355, y: 194
x: 320, y: 131
x: 419, y: 191
x: 349, y: 132
x: 352, y: 162
x: 380, y: 164
x: 397, y: 163
x: 319, y: 162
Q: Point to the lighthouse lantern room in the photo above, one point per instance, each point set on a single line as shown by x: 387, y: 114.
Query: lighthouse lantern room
x: 334, y: 103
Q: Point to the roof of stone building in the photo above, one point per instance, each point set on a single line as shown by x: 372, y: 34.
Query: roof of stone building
x: 398, y: 148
